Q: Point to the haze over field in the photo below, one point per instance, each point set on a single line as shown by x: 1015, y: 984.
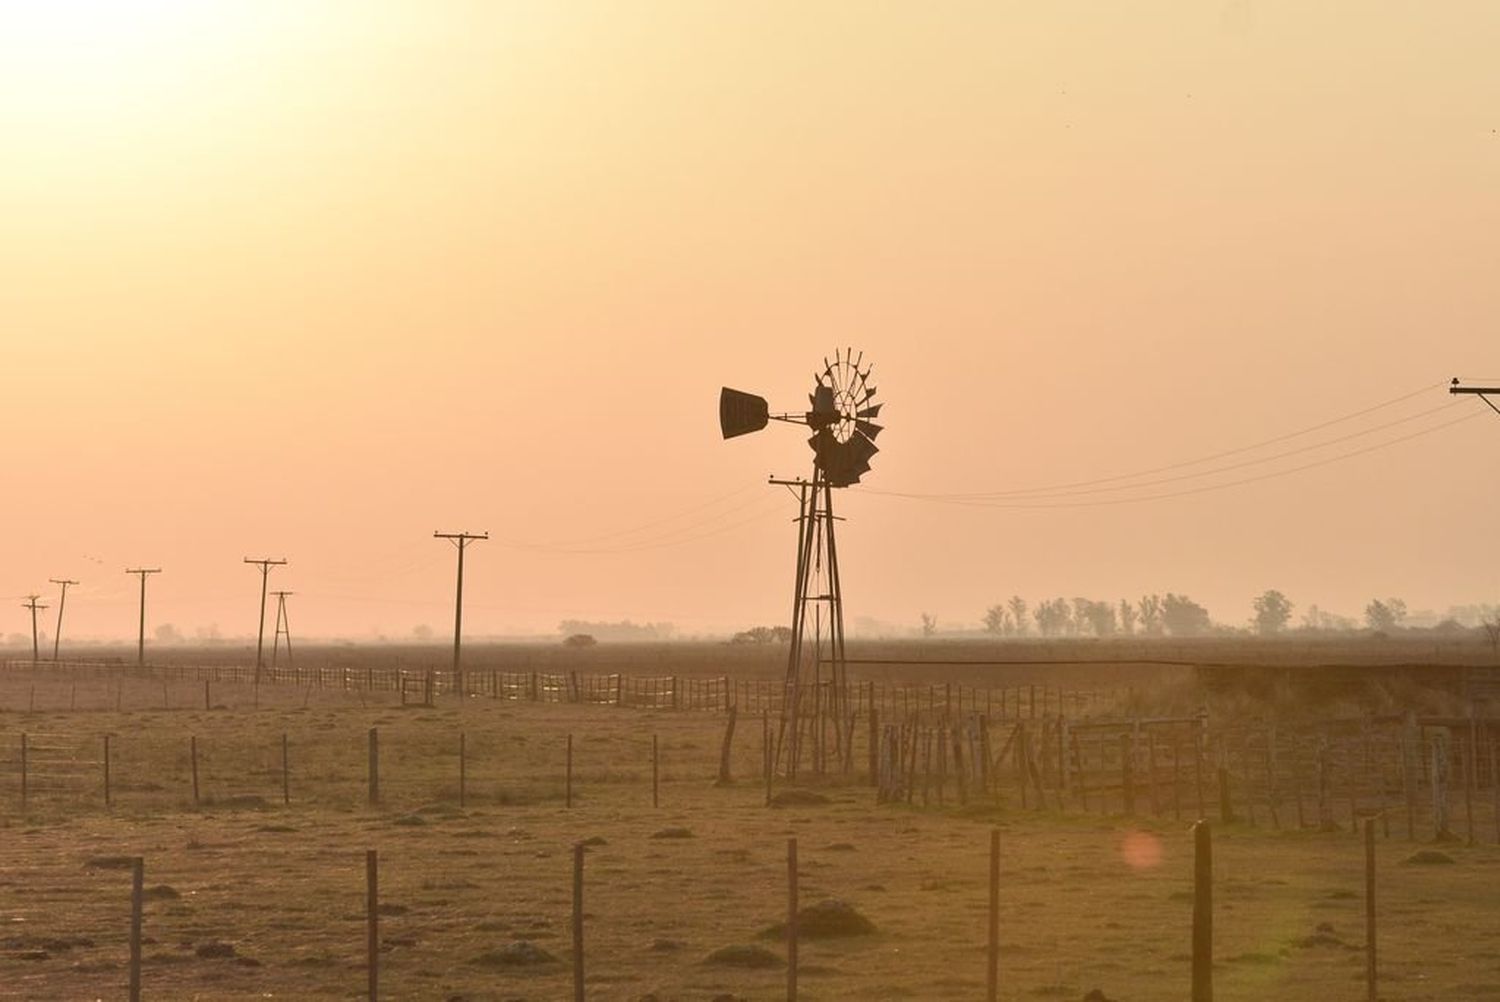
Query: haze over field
x: 313, y: 280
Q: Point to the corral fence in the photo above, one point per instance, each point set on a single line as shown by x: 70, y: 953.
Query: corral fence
x: 1428, y: 776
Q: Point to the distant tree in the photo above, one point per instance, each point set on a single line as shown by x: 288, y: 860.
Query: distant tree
x: 1385, y: 616
x: 929, y: 625
x: 1081, y: 609
x: 1101, y: 618
x: 1018, y: 613
x: 579, y: 640
x: 996, y: 620
x: 1127, y: 617
x: 422, y: 632
x: 1150, y: 609
x: 754, y: 635
x: 1272, y: 612
x: 1491, y: 626
x: 1183, y: 617
x: 781, y: 634
x: 166, y: 633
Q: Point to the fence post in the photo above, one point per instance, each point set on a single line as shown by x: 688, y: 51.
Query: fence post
x: 372, y: 922
x: 568, y: 781
x: 374, y: 767
x: 791, y: 920
x: 992, y: 977
x: 1127, y: 772
x: 655, y: 772
x: 106, y: 770
x: 1370, y: 907
x: 578, y: 922
x: 874, y: 743
x: 1203, y: 916
x: 286, y: 773
x: 207, y: 703
x: 193, y: 754
x: 137, y: 894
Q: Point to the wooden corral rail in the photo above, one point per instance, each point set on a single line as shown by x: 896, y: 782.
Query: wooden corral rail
x: 930, y: 703
x: 1435, y: 777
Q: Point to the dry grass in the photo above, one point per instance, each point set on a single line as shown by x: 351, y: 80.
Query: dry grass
x: 1088, y: 901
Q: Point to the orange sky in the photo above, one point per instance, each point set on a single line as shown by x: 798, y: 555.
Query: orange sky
x: 313, y: 280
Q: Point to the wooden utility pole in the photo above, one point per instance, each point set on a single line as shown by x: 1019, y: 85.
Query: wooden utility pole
x: 283, y: 627
x: 62, y: 600
x: 461, y: 541
x: 144, y: 572
x: 265, y: 566
x: 1482, y: 392
x: 30, y: 603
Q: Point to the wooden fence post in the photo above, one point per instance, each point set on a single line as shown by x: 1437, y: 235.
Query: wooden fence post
x: 724, y: 772
x: 1370, y: 907
x: 578, y: 922
x: 992, y: 975
x: 137, y: 897
x: 874, y: 742
x: 372, y: 922
x: 568, y: 779
x: 193, y: 754
x: 207, y: 702
x: 1127, y: 773
x: 374, y: 767
x: 791, y: 920
x: 1203, y: 916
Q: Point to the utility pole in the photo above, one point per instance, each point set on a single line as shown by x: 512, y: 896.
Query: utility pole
x: 460, y: 540
x: 260, y: 634
x: 30, y: 603
x: 283, y: 627
x: 144, y: 572
x: 61, y: 601
x: 1482, y: 392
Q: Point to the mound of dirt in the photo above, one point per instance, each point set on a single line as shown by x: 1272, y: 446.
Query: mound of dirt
x: 214, y: 950
x: 676, y: 832
x: 799, y: 798
x: 1429, y: 857
x: 742, y: 955
x: 521, y: 953
x: 829, y: 919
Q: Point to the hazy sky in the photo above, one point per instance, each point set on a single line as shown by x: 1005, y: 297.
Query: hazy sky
x: 314, y: 280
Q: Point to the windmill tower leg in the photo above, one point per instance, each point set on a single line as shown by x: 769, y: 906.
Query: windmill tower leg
x: 838, y: 679
x: 789, y: 738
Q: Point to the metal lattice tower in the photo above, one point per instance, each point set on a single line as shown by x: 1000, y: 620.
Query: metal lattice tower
x: 816, y: 708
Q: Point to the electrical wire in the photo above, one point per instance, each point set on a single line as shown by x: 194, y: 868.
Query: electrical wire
x: 1182, y: 464
x: 1022, y: 505
x: 1243, y: 464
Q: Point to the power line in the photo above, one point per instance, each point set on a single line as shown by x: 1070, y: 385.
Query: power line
x: 1244, y: 464
x: 1022, y: 505
x: 1239, y: 450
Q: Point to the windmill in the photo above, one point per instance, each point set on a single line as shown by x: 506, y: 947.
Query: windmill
x: 841, y: 418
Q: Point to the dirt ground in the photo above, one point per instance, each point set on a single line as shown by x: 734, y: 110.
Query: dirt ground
x: 279, y: 891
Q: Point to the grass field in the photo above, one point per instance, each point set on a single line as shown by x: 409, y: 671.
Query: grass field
x: 1088, y: 901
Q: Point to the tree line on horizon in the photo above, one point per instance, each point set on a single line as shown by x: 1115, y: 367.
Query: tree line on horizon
x: 1155, y: 615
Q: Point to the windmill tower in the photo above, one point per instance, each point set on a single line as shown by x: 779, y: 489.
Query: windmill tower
x: 816, y: 711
